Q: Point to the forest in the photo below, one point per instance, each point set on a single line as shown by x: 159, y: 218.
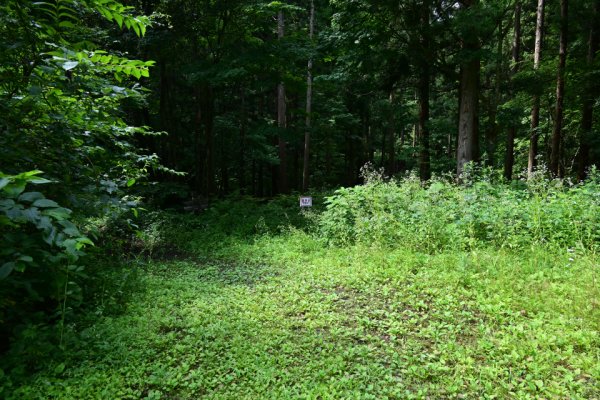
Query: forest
x: 153, y: 158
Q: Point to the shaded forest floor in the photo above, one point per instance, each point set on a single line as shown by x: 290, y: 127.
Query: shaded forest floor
x: 273, y: 312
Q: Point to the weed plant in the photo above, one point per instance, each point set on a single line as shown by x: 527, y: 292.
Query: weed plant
x: 441, y: 215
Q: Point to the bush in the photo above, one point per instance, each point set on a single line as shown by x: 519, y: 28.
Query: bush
x: 38, y: 258
x: 443, y: 215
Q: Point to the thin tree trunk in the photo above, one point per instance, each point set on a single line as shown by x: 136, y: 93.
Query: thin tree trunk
x: 587, y: 115
x: 243, y: 128
x: 391, y: 128
x: 281, y: 120
x: 491, y: 134
x: 509, y: 159
x: 468, y: 119
x: 423, y: 94
x: 468, y: 128
x: 309, y: 83
x: 424, y: 156
x: 535, y: 110
x: 560, y: 91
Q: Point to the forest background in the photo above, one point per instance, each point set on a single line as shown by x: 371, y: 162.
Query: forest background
x: 110, y: 109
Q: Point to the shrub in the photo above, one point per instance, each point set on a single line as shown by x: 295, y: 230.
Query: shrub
x: 442, y: 215
x: 38, y: 258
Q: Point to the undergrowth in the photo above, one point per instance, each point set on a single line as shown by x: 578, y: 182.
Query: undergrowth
x: 498, y: 298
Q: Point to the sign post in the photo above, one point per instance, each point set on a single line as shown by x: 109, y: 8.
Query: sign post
x: 305, y: 201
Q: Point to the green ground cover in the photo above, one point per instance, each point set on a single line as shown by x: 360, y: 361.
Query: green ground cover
x: 251, y: 300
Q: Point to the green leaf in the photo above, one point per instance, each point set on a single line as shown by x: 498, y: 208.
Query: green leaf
x: 58, y: 213
x: 4, y: 182
x: 59, y: 368
x: 119, y: 19
x: 30, y: 196
x: 15, y: 189
x: 39, y: 181
x: 131, y: 182
x: 136, y: 28
x: 6, y: 269
x: 69, y: 65
x: 45, y: 203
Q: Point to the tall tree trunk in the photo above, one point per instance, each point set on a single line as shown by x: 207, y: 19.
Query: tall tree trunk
x: 535, y: 110
x: 468, y: 120
x: 424, y: 85
x: 587, y: 115
x: 281, y: 120
x: 309, y: 83
x: 243, y: 129
x: 391, y: 128
x: 209, y: 115
x: 509, y: 159
x: 491, y: 133
x: 560, y: 91
x: 424, y: 156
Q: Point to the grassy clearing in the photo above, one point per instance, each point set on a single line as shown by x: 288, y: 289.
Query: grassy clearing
x: 281, y: 315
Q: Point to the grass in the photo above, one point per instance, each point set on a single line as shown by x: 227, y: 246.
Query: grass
x: 277, y: 314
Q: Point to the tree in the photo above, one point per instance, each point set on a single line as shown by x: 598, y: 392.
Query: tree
x: 535, y: 110
x: 560, y: 92
x: 309, y: 84
x: 589, y: 95
x: 468, y: 117
x: 516, y: 59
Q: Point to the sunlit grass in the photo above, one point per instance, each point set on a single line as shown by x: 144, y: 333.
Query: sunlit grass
x: 283, y: 316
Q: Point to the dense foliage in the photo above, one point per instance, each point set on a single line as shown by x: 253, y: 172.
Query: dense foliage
x: 260, y: 308
x: 442, y: 216
x: 150, y: 247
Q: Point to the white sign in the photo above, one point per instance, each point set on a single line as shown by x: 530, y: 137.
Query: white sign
x: 305, y: 201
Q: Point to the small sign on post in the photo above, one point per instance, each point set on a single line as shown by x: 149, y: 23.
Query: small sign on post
x: 305, y: 201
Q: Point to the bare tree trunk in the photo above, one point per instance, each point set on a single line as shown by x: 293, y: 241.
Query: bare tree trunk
x: 424, y: 156
x: 391, y: 128
x: 509, y: 159
x: 309, y: 83
x: 560, y: 91
x: 424, y: 84
x: 491, y: 133
x: 281, y: 120
x: 587, y: 115
x: 243, y: 128
x: 535, y: 110
x: 468, y: 118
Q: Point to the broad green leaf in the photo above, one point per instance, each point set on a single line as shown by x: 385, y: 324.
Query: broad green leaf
x: 15, y: 189
x: 4, y: 182
x: 131, y: 182
x: 30, y: 196
x: 45, y: 203
x: 69, y: 65
x: 6, y: 269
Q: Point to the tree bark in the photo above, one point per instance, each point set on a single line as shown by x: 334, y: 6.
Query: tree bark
x: 587, y: 115
x: 560, y: 92
x: 468, y: 122
x: 391, y: 128
x: 424, y: 85
x: 281, y: 118
x: 509, y: 159
x: 535, y: 110
x: 309, y: 83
